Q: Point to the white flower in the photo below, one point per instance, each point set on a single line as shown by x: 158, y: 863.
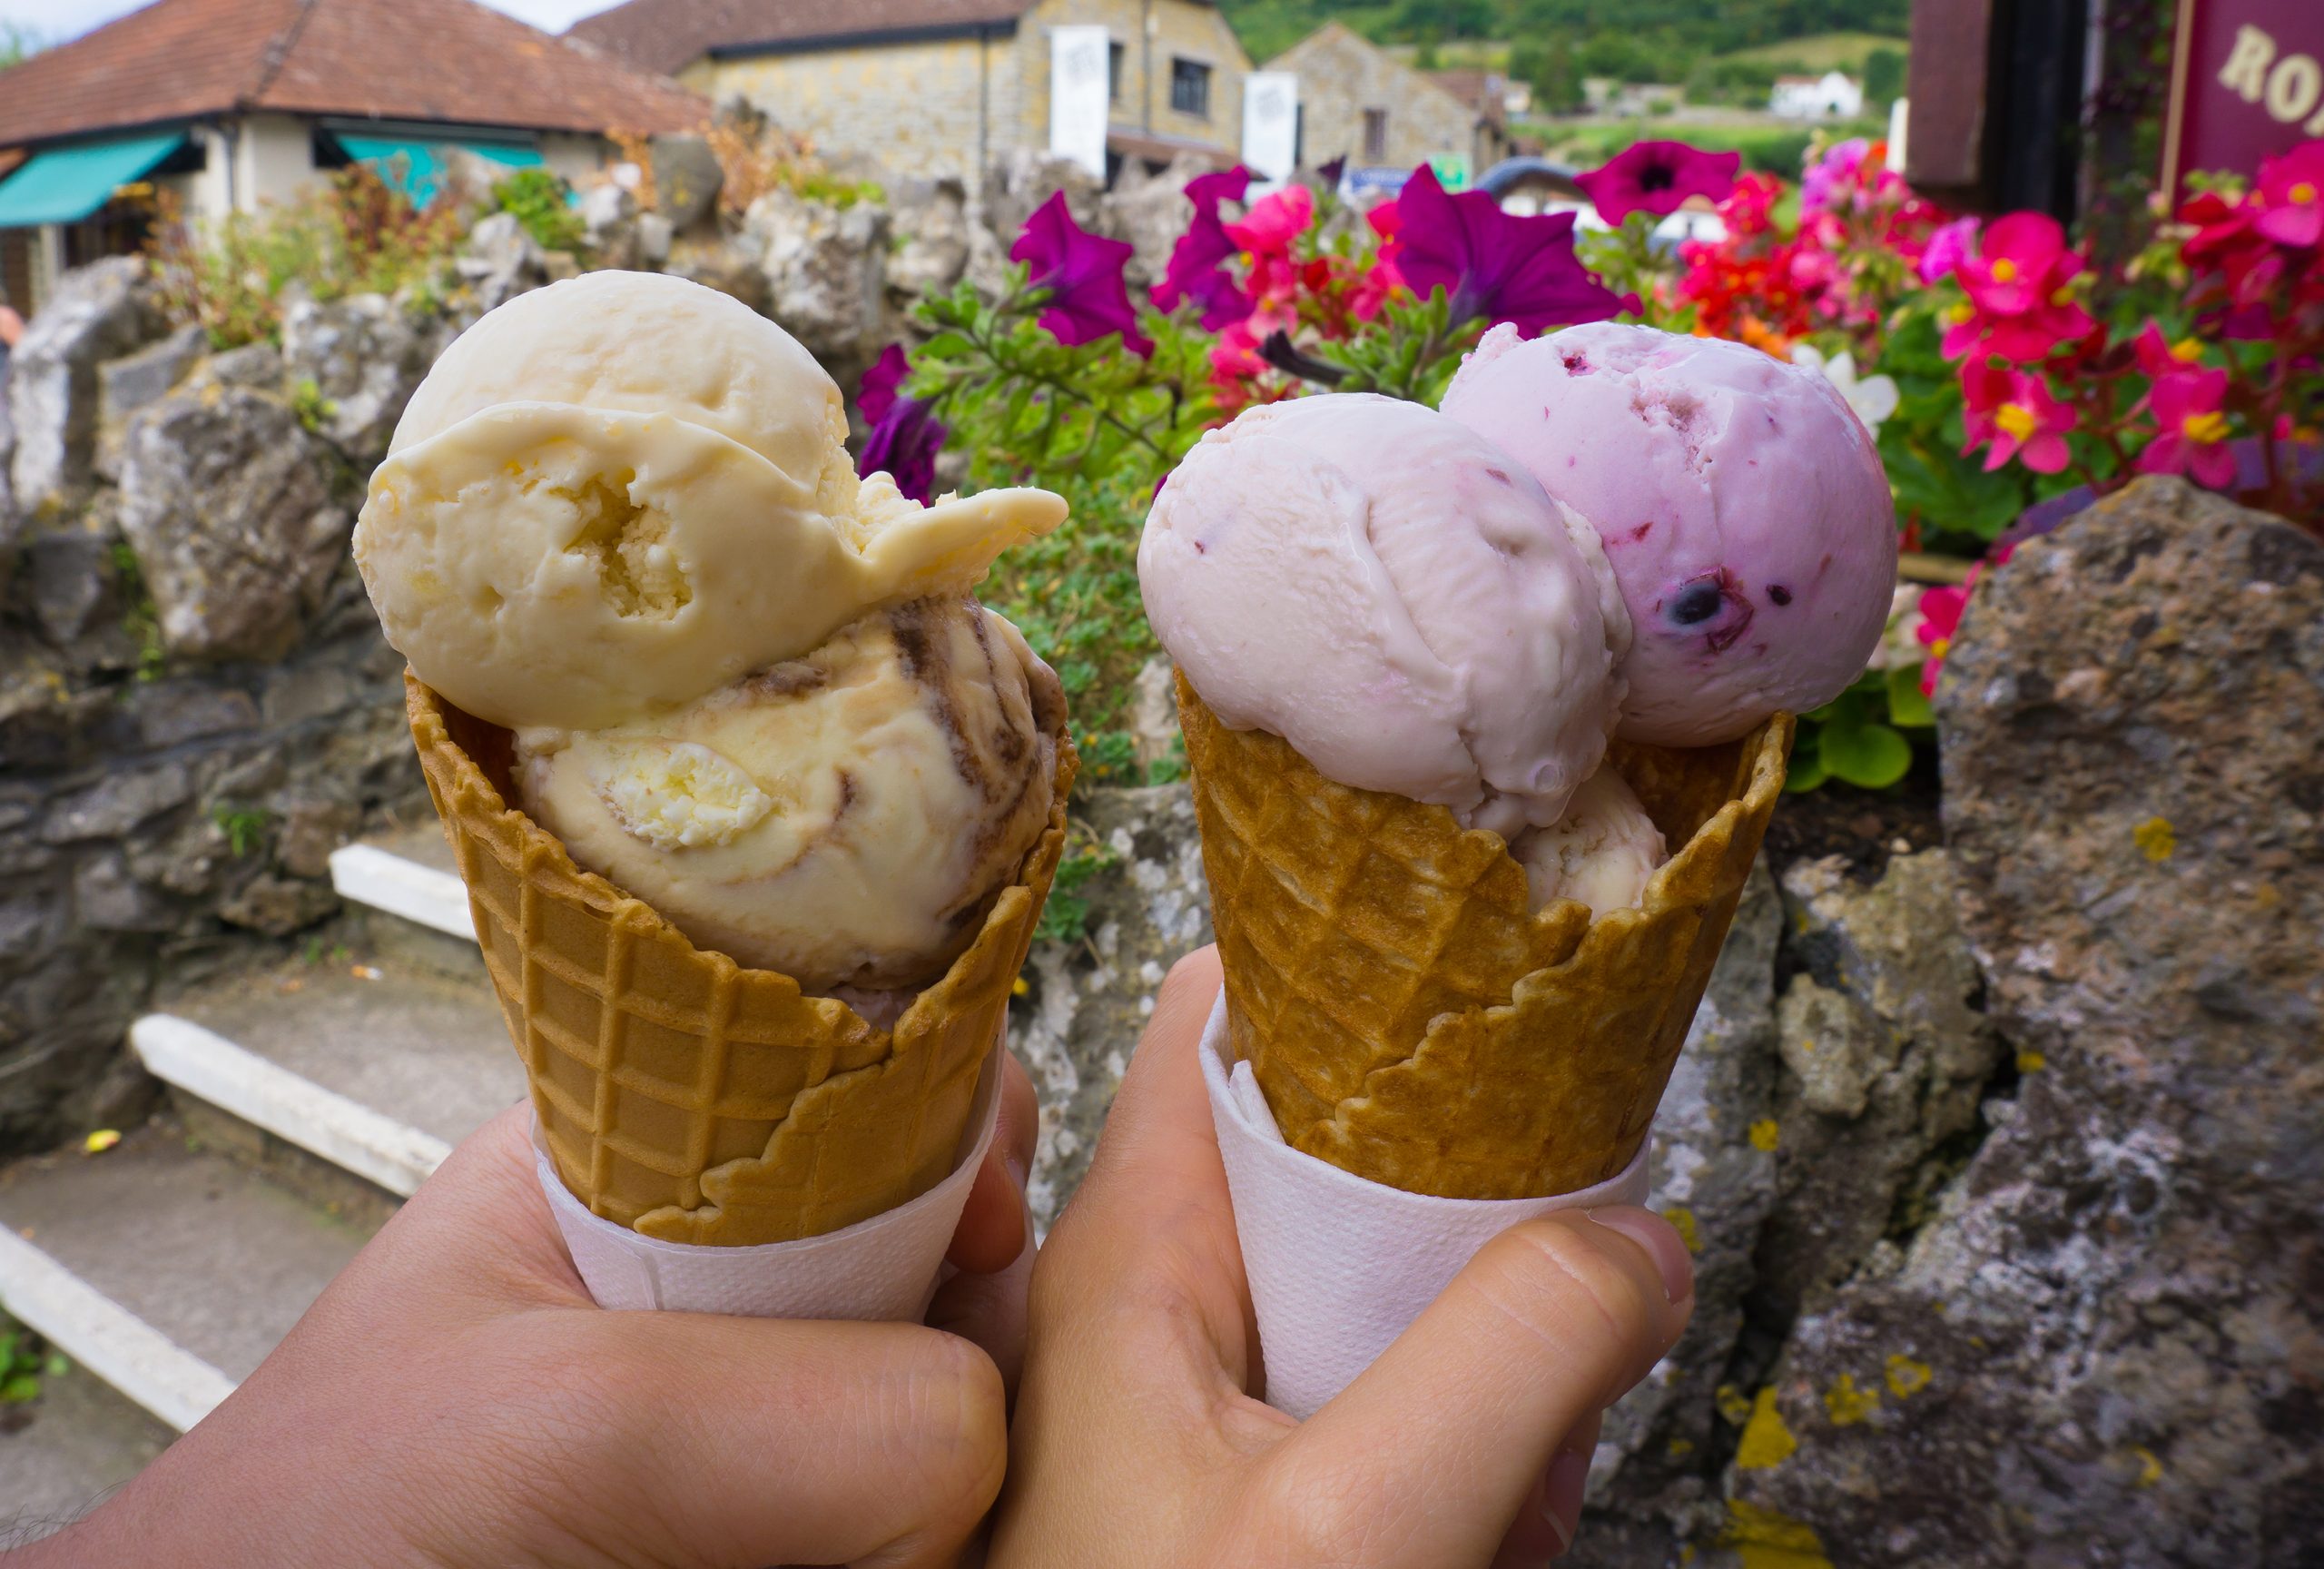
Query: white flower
x: 1874, y: 399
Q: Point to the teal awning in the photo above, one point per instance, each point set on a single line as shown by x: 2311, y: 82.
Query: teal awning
x: 415, y: 165
x: 66, y: 184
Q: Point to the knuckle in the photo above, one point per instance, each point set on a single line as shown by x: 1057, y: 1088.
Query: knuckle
x: 1550, y: 1275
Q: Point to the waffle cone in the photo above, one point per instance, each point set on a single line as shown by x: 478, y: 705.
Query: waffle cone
x: 1408, y: 1017
x: 683, y: 1094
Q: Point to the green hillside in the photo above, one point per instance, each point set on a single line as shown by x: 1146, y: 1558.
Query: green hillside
x: 1623, y: 35
x: 1820, y: 52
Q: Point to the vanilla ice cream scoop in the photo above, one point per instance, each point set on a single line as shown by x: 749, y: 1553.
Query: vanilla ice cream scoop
x: 620, y: 492
x: 1602, y: 852
x: 1395, y: 597
x: 1741, y: 502
x: 846, y: 818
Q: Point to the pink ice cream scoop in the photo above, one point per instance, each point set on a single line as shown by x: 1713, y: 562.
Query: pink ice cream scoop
x: 1739, y: 499
x: 1396, y: 598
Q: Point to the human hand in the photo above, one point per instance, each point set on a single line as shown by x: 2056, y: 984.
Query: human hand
x: 1137, y: 1441
x: 454, y: 1399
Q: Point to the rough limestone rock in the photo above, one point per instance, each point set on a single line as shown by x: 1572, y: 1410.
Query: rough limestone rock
x: 501, y: 260
x: 11, y: 520
x: 2105, y: 1347
x: 1025, y: 178
x: 609, y: 222
x: 932, y: 219
x: 687, y: 180
x: 1717, y: 1185
x: 364, y: 356
x: 1088, y: 997
x: 825, y: 270
x: 1886, y: 1059
x: 98, y: 312
x: 1154, y: 714
x: 226, y: 501
x: 128, y: 384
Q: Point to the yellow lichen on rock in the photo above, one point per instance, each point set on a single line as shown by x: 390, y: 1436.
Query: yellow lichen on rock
x: 1849, y: 1404
x: 1907, y: 1377
x: 1762, y: 1538
x: 1767, y: 1441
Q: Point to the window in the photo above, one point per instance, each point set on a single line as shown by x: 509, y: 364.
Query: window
x: 1190, y: 88
x: 1376, y: 135
x: 1115, y: 54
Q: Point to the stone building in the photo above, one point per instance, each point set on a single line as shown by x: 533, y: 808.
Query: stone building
x: 944, y: 87
x: 1359, y: 101
x: 230, y: 105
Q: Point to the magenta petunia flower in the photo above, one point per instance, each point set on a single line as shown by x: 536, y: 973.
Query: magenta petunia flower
x: 1198, y: 265
x: 876, y: 393
x: 1493, y: 264
x: 905, y: 434
x: 2291, y: 195
x: 1656, y: 177
x: 1081, y: 275
x: 903, y: 445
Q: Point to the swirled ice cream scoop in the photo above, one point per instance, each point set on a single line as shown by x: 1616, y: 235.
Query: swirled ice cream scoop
x: 1740, y: 501
x: 619, y: 492
x: 846, y: 818
x: 1395, y: 597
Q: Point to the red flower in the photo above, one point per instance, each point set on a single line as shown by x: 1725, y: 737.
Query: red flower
x: 2015, y: 414
x: 2291, y: 195
x: 2189, y: 407
x: 1656, y: 177
x: 1941, y: 610
x: 1493, y: 265
x: 1081, y: 274
x: 1274, y: 221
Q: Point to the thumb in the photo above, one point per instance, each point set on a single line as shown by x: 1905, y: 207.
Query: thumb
x: 755, y: 1441
x: 1448, y: 1433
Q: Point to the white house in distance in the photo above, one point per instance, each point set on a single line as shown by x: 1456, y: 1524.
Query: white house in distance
x: 231, y: 104
x: 1834, y: 95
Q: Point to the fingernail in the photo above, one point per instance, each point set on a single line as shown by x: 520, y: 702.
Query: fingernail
x: 1660, y: 1238
x: 1561, y: 1497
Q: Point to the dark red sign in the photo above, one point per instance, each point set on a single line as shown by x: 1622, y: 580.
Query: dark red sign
x: 2247, y: 80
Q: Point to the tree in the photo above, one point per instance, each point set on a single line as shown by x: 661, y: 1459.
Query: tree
x: 17, y: 42
x: 1884, y: 75
x: 1555, y: 78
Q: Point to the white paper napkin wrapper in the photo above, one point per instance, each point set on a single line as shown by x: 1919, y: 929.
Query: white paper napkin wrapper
x: 882, y: 1269
x: 1340, y: 1266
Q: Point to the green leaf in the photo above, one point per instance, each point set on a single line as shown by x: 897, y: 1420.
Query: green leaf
x: 1906, y: 704
x: 1871, y: 755
x: 1807, y: 772
x: 943, y: 345
x: 18, y: 1389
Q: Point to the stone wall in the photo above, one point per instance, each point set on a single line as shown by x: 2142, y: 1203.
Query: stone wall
x: 1181, y: 28
x: 928, y: 108
x: 1342, y: 75
x: 195, y: 703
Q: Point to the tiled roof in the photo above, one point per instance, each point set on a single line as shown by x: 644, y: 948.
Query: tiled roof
x: 665, y: 34
x: 448, y: 61
x: 1480, y: 90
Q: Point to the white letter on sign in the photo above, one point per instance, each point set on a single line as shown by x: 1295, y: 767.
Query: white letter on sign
x: 2245, y: 70
x: 2293, y: 86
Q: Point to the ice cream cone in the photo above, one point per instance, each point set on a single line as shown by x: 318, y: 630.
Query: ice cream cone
x: 684, y: 1095
x: 1408, y: 1017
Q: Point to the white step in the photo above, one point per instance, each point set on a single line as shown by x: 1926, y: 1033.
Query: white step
x: 409, y: 874
x: 168, y: 1271
x: 376, y: 1067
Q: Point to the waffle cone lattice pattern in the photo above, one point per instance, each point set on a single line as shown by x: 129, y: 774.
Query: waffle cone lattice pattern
x: 681, y: 1093
x: 1408, y: 1017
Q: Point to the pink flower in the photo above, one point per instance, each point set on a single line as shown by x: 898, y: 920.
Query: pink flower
x: 1837, y: 169
x: 1274, y: 222
x: 1081, y: 275
x: 2015, y: 414
x: 2188, y: 406
x: 1656, y: 177
x: 1947, y: 248
x: 2020, y: 284
x: 1492, y: 265
x: 2159, y: 357
x: 2291, y: 195
x: 1941, y: 610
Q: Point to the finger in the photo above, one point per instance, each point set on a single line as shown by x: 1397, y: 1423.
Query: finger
x: 1547, y: 1325
x: 992, y: 1230
x: 1551, y: 1513
x: 1152, y: 1222
x: 720, y: 1440
x: 989, y: 1311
